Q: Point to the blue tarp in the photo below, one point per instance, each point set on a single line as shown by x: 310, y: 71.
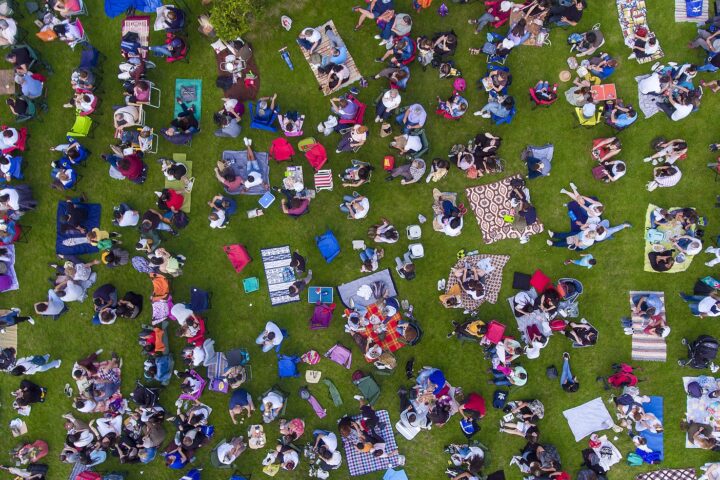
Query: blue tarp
x: 114, y: 8
x: 655, y: 440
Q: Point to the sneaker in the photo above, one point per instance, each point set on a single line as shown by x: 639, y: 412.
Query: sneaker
x: 485, y: 114
x: 655, y: 161
x: 377, y: 37
x: 358, y: 397
x: 31, y: 321
x: 655, y: 66
x: 631, y: 56
x: 189, y: 186
x: 68, y: 390
x: 550, y: 233
x: 550, y: 243
x: 566, y: 355
x: 247, y: 141
x: 441, y: 284
x: 2, y: 331
x: 647, y: 159
x: 524, y: 239
x: 59, y: 363
x: 378, y: 119
x: 573, y: 186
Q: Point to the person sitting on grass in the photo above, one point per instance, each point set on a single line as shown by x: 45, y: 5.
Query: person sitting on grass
x: 183, y: 127
x: 357, y: 174
x: 405, y: 267
x: 309, y: 39
x: 668, y: 152
x: 222, y: 208
x: 498, y: 109
x: 407, y: 143
x: 374, y: 9
x: 176, y: 172
x: 356, y: 206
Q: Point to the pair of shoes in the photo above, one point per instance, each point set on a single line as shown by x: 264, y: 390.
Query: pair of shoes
x: 247, y: 141
x: 647, y: 159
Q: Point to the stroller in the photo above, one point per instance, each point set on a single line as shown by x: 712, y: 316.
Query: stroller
x: 701, y: 352
x: 568, y: 303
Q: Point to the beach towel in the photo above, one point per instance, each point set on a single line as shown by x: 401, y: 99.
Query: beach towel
x: 325, y: 49
x: 360, y: 463
x: 669, y: 474
x: 334, y: 392
x: 179, y: 185
x: 668, y: 231
x: 588, y: 418
x: 139, y: 25
x: 238, y: 256
x: 279, y: 274
x: 650, y: 348
x: 9, y: 280
x: 189, y: 90
x: 655, y: 440
x: 692, y: 10
x: 703, y: 409
x: 647, y: 103
x: 492, y: 281
x: 114, y: 8
x: 349, y: 291
x: 632, y: 15
x: 73, y: 242
x: 237, y: 161
x: 491, y: 205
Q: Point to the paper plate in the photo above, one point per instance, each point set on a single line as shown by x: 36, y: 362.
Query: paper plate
x: 565, y: 76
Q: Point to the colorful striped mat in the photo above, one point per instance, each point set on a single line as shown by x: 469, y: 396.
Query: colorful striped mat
x: 650, y: 348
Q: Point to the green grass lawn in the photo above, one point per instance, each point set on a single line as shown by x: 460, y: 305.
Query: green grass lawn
x: 236, y: 318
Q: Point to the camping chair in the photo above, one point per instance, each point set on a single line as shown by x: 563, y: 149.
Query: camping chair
x: 500, y: 68
x: 215, y: 458
x: 149, y: 102
x: 328, y: 245
x: 82, y: 10
x: 21, y: 143
x: 413, y: 334
x: 275, y: 388
x: 238, y: 256
x: 368, y: 388
x: 83, y: 127
x: 83, y: 35
x: 35, y: 58
x: 590, y: 122
x: 263, y: 123
x: 183, y: 55
x: 316, y: 156
x: 281, y: 150
x: 323, y: 180
x: 539, y: 102
x: 423, y: 149
x: 30, y: 113
x: 359, y: 115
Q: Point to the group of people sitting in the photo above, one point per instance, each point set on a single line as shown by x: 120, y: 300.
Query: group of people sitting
x: 676, y: 234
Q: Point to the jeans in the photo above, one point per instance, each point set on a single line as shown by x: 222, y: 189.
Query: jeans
x: 48, y: 365
x: 161, y: 50
x: 305, y: 44
x: 386, y: 31
x: 367, y: 254
x: 531, y: 162
x: 693, y: 302
x: 496, y: 109
x: 566, y: 376
x: 483, y: 20
x: 700, y: 40
x: 346, y: 199
x: 559, y: 239
x: 500, y: 379
x: 164, y: 227
x: 260, y: 340
x: 448, y: 208
x: 708, y: 67
x: 404, y: 261
x: 253, y: 166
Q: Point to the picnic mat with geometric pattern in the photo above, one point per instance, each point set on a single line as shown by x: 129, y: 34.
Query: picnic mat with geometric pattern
x: 650, y: 348
x: 492, y: 281
x: 669, y: 474
x: 632, y: 14
x: 279, y: 274
x: 325, y: 49
x: 491, y: 203
x: 360, y: 463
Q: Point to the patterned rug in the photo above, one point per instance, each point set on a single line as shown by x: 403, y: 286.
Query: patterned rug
x: 492, y: 282
x: 632, y: 15
x: 279, y: 274
x: 490, y: 203
x: 363, y: 463
x: 669, y: 474
x: 699, y: 410
x: 650, y: 348
x: 324, y: 49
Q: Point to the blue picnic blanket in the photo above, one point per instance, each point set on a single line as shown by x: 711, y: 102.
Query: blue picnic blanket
x: 114, y: 8
x: 74, y: 243
x: 655, y: 440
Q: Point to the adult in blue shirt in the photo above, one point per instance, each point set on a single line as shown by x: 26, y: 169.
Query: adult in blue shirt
x: 240, y: 401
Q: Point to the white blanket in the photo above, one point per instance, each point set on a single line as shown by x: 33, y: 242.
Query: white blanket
x: 588, y: 418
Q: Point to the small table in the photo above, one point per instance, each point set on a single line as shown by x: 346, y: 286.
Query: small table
x: 320, y: 294
x: 7, y: 82
x: 601, y: 93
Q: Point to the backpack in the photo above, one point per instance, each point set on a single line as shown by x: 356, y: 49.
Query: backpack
x: 694, y: 390
x: 500, y: 398
x: 551, y: 372
x: 634, y: 460
x: 180, y: 220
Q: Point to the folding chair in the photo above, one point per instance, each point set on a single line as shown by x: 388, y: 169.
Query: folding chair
x: 24, y: 233
x: 83, y: 127
x: 141, y: 116
x: 323, y: 180
x: 83, y: 39
x: 81, y: 11
x: 153, y: 89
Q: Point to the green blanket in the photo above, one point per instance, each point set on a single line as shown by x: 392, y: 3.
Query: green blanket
x: 189, y: 90
x: 179, y: 185
x: 669, y: 232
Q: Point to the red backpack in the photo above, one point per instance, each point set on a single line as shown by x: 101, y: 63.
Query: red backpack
x: 87, y: 475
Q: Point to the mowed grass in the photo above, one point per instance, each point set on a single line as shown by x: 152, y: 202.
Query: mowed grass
x: 236, y: 318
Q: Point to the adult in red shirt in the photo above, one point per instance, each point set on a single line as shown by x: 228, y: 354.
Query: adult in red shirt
x: 170, y: 199
x: 132, y: 167
x: 473, y: 407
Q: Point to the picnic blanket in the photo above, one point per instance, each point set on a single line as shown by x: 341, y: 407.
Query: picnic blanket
x: 668, y: 474
x: 234, y: 87
x: 699, y: 9
x: 655, y: 440
x: 650, y: 348
x: 363, y: 463
x: 669, y: 230
x: 704, y: 409
x: 647, y: 103
x: 536, y: 321
x: 588, y: 418
x: 73, y: 242
x: 632, y: 15
x: 139, y: 25
x: 492, y: 281
x: 113, y: 8
x: 189, y: 90
x: 10, y: 277
x: 179, y: 185
x: 349, y: 291
x: 490, y: 203
x: 325, y: 49
x: 538, y: 34
x: 279, y: 274
x: 237, y: 161
x: 9, y: 338
x: 390, y: 339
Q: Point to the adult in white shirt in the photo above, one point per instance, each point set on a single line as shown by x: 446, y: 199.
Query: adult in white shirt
x: 271, y: 405
x: 69, y: 291
x: 53, y: 306
x: 270, y: 338
x: 9, y: 138
x: 389, y: 102
x: 452, y: 227
x: 407, y: 143
x: 217, y: 218
x: 8, y: 31
x: 128, y: 218
x: 309, y: 39
x: 229, y: 451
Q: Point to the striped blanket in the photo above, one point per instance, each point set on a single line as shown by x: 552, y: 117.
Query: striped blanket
x: 646, y: 347
x: 632, y: 15
x: 325, y: 49
x: 279, y: 274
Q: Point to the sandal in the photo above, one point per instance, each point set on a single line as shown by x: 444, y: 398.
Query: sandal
x: 474, y: 51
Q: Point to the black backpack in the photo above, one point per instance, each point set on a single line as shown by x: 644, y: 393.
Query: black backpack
x: 551, y: 372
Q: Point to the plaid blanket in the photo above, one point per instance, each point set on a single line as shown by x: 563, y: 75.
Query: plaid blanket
x: 493, y: 281
x: 669, y: 474
x: 390, y: 340
x: 363, y: 463
x: 491, y: 203
x: 324, y: 49
x: 646, y: 347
